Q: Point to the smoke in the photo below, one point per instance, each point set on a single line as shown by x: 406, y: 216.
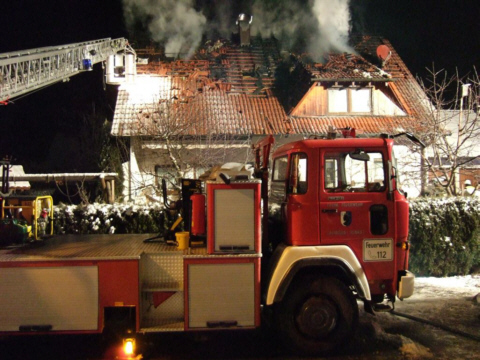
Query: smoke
x: 313, y: 26
x: 289, y: 21
x: 334, y: 25
x: 176, y: 23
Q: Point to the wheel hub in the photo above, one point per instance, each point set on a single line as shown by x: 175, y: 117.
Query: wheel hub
x: 317, y: 317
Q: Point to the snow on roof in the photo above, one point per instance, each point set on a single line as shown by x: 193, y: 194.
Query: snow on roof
x: 16, y: 170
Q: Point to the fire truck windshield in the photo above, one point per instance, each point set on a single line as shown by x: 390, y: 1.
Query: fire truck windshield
x: 344, y: 173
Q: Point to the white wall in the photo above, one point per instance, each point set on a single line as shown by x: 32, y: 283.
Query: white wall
x: 408, y: 164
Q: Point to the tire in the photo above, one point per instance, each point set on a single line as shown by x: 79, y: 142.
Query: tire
x: 317, y: 315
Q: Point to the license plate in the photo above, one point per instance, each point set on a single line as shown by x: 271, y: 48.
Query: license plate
x: 378, y: 250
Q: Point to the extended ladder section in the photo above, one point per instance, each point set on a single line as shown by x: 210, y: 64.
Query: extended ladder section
x: 28, y: 70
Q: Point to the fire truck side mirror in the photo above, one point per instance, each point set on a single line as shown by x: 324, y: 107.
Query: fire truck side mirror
x: 416, y: 140
x: 359, y: 155
x: 412, y: 138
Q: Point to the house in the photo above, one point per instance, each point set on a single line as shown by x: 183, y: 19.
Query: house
x: 230, y: 93
x: 14, y: 171
x: 456, y: 154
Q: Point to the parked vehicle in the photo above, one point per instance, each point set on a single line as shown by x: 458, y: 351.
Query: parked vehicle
x: 339, y: 235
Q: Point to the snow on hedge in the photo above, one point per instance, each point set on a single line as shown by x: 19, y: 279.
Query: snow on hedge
x: 108, y: 219
x: 445, y: 236
x: 444, y: 232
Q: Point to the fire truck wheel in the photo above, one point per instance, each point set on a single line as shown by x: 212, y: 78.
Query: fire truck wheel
x: 317, y: 315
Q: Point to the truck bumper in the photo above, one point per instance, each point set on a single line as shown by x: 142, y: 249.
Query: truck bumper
x: 406, y: 285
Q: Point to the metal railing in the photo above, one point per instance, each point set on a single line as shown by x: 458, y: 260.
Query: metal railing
x: 28, y: 70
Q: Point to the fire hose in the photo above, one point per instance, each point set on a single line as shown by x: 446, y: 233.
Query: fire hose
x: 438, y: 325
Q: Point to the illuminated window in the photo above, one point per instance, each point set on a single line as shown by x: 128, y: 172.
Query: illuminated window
x: 337, y: 100
x: 360, y: 100
x: 349, y: 100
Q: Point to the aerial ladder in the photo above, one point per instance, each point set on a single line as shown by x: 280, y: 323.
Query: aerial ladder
x: 25, y: 71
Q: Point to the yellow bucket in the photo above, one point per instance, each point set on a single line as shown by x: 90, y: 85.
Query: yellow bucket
x: 183, y: 238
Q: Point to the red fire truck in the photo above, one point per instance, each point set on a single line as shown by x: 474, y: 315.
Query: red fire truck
x: 338, y: 234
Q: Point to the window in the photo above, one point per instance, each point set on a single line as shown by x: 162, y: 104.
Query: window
x: 331, y: 173
x: 349, y: 100
x: 298, y: 174
x: 395, y: 174
x: 378, y: 219
x: 360, y: 100
x: 280, y: 169
x: 337, y: 100
x: 354, y: 171
x: 164, y: 172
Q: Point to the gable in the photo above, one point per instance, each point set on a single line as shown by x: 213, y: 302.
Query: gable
x: 385, y: 103
x: 323, y: 100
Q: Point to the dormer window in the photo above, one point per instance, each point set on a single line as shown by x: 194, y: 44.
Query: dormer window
x: 352, y: 100
x: 337, y: 100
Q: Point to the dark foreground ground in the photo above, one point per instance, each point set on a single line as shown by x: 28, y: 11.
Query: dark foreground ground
x: 383, y: 336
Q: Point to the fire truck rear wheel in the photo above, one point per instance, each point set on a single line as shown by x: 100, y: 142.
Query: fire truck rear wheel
x: 317, y: 315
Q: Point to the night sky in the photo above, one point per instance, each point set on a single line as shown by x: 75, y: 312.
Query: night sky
x: 41, y: 130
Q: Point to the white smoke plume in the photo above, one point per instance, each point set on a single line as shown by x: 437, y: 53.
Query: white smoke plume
x: 313, y: 26
x: 334, y: 25
x: 173, y: 22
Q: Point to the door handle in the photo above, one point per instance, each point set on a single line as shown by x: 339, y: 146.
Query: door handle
x: 330, y: 211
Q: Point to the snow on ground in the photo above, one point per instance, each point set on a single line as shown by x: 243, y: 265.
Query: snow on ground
x: 455, y: 286
x: 451, y: 302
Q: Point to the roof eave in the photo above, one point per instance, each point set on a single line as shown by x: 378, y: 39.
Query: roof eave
x: 357, y: 80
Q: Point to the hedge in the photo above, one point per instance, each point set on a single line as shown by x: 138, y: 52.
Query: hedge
x: 444, y: 232
x: 444, y: 236
x: 108, y: 219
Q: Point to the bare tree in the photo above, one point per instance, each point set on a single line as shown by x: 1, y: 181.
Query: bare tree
x: 185, y: 136
x: 451, y: 129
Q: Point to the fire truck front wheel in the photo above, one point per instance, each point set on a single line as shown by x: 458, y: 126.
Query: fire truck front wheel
x: 317, y: 315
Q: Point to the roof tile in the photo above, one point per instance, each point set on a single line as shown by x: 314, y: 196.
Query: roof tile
x: 231, y: 91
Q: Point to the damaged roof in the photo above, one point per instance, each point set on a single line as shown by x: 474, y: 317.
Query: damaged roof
x: 347, y: 67
x: 238, y: 90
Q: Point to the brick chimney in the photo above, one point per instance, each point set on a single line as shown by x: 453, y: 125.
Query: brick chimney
x: 243, y: 23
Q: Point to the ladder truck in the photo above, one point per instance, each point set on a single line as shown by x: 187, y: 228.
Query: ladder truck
x: 339, y: 235
x: 25, y: 71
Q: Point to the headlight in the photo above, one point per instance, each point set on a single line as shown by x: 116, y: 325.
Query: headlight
x: 129, y: 346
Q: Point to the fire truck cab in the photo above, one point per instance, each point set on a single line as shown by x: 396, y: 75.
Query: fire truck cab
x: 345, y: 226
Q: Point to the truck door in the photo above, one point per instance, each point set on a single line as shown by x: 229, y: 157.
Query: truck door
x: 301, y: 206
x: 355, y: 209
x: 298, y: 201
